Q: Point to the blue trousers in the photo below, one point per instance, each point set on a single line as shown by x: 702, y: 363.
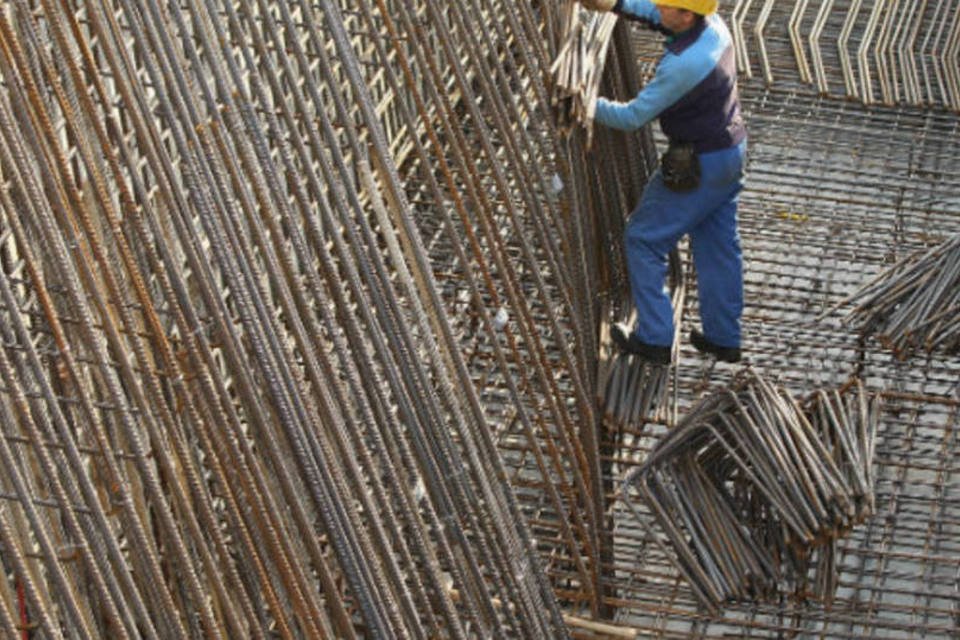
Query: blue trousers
x: 709, y: 215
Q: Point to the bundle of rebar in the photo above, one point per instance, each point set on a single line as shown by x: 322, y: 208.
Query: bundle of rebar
x: 578, y: 67
x: 914, y: 306
x: 751, y: 489
x: 631, y: 390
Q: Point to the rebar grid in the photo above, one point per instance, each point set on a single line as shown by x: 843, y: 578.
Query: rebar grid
x: 837, y: 193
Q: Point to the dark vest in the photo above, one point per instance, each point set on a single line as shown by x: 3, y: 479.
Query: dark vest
x: 709, y: 114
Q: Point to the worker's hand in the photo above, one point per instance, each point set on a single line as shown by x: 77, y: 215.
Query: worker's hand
x: 564, y: 112
x: 598, y: 5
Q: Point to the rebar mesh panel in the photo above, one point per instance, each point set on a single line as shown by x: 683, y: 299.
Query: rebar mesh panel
x: 836, y: 193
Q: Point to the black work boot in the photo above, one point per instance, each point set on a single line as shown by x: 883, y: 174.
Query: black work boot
x: 701, y: 344
x: 628, y: 342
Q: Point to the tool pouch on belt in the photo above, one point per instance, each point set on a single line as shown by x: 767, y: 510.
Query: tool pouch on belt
x: 680, y: 167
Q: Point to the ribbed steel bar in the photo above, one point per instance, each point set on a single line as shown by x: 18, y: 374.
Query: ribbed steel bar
x: 815, y: 35
x: 951, y: 56
x: 468, y: 439
x: 83, y: 548
x: 796, y: 40
x: 541, y: 361
x: 302, y: 198
x: 346, y: 450
x: 272, y: 373
x: 66, y: 198
x: 738, y: 16
x: 202, y: 351
x: 191, y: 139
x: 572, y: 436
x: 287, y: 271
x: 169, y: 357
x: 184, y: 459
x: 846, y: 66
x: 914, y: 304
x: 477, y: 254
x: 758, y: 29
x: 488, y: 226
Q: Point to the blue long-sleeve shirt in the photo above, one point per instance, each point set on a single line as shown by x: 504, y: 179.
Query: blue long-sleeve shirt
x: 694, y: 89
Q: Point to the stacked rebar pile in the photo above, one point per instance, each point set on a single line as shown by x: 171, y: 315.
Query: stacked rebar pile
x: 578, y: 67
x: 914, y: 305
x: 750, y: 489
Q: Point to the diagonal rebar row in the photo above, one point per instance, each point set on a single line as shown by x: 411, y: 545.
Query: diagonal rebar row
x: 876, y: 51
x: 296, y: 303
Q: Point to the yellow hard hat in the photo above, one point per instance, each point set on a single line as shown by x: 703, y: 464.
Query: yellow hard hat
x: 703, y: 7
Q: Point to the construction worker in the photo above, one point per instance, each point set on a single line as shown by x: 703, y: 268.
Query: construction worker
x: 696, y: 189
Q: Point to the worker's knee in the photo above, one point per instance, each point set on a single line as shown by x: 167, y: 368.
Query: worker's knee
x: 647, y: 243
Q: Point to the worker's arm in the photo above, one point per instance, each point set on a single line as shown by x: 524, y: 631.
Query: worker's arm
x: 676, y: 75
x: 640, y: 9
